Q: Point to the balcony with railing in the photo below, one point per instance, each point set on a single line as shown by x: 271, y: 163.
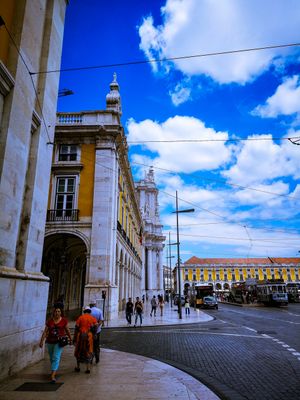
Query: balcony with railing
x: 88, y: 118
x: 62, y: 215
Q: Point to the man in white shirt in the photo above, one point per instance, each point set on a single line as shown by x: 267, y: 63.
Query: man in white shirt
x: 97, y: 313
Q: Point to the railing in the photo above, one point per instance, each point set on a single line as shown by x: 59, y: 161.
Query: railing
x: 126, y: 238
x: 62, y: 215
x: 65, y: 119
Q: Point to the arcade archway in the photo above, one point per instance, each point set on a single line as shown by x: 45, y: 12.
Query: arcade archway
x: 64, y: 262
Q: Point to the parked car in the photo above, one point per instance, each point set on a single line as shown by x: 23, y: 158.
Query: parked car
x: 176, y: 300
x: 210, y: 302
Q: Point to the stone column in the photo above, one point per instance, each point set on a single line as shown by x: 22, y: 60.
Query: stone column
x: 149, y: 271
x: 126, y: 284
x: 160, y: 266
x: 154, y: 272
x: 104, y: 222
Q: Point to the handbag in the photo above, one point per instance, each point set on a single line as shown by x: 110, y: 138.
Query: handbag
x: 63, y: 341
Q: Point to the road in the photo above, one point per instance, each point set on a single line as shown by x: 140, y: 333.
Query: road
x: 244, y: 353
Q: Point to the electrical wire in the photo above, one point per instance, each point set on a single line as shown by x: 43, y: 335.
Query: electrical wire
x: 31, y: 79
x: 138, y: 142
x: 216, y: 180
x: 161, y: 60
x: 225, y: 219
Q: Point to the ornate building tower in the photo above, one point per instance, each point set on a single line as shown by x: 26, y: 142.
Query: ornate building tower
x: 152, y: 278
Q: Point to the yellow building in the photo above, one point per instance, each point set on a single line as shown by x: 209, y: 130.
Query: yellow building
x: 93, y: 231
x: 221, y: 273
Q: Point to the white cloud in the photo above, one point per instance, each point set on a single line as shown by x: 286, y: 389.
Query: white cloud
x: 181, y: 157
x: 192, y: 27
x: 285, y: 101
x: 262, y: 161
x: 180, y: 94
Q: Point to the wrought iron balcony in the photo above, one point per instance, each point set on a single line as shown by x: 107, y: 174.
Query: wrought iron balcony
x: 62, y: 215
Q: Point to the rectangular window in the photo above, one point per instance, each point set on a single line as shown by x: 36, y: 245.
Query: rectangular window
x: 65, y: 196
x: 233, y: 277
x: 67, y: 152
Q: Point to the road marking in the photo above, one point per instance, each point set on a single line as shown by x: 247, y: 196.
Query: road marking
x: 264, y: 317
x: 290, y: 349
x: 192, y: 332
x: 285, y: 345
x: 296, y: 354
x: 250, y: 329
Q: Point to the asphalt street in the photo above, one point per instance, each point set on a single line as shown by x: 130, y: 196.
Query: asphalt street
x: 244, y: 353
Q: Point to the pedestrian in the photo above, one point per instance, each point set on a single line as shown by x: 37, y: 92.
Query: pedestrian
x: 138, y: 310
x: 129, y: 311
x: 143, y: 298
x: 187, y: 305
x: 56, y: 328
x: 97, y: 313
x: 153, y: 306
x: 161, y: 304
x: 85, y: 328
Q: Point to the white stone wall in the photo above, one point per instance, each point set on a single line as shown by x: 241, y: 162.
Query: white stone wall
x: 25, y: 172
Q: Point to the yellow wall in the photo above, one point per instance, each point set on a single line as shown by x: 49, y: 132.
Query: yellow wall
x: 6, y: 12
x: 86, y: 189
x: 223, y: 271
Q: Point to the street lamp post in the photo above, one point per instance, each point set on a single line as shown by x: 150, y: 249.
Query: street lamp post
x: 178, y: 252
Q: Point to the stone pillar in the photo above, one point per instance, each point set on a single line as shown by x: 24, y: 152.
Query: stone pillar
x: 160, y: 266
x: 154, y: 272
x: 121, y: 277
x: 126, y: 284
x: 104, y: 222
x: 149, y: 272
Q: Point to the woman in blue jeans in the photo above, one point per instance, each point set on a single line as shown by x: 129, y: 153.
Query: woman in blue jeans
x: 56, y: 327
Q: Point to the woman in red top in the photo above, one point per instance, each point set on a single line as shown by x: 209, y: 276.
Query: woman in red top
x: 56, y: 327
x: 85, y: 329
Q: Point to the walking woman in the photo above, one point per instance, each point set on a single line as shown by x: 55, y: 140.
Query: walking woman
x: 85, y: 329
x: 56, y: 328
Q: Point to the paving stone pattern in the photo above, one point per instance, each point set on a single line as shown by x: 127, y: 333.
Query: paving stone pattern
x: 234, y: 367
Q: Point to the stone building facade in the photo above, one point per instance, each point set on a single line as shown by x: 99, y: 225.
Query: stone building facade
x: 30, y: 41
x: 153, y: 239
x: 93, y: 231
x: 221, y: 273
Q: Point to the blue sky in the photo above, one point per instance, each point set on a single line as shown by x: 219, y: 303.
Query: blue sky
x: 246, y: 193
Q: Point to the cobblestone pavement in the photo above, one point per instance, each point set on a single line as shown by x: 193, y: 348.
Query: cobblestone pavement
x: 233, y: 361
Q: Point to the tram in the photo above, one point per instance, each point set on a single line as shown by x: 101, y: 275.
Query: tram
x: 272, y: 292
x: 293, y: 292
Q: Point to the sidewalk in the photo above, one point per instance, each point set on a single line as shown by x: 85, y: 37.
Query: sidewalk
x: 170, y: 317
x: 118, y: 376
